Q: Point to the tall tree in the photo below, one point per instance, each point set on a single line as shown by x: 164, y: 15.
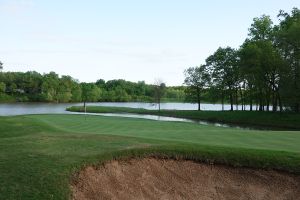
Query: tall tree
x: 90, y: 93
x: 76, y: 92
x: 249, y: 55
x: 262, y: 67
x: 268, y: 68
x: 288, y: 41
x: 159, y: 91
x: 196, y: 79
x: 261, y: 28
x: 224, y: 68
x: 2, y: 87
x: 64, y: 93
x: 49, y: 87
x: 1, y: 66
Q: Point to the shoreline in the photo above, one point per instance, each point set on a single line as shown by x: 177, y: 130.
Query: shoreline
x: 251, y: 119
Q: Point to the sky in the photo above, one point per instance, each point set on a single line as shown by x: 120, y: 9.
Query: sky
x: 133, y: 40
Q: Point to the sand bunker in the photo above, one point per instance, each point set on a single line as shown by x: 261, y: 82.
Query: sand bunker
x: 151, y: 178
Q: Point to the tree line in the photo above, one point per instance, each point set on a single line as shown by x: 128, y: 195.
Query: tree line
x: 50, y: 87
x: 264, y: 72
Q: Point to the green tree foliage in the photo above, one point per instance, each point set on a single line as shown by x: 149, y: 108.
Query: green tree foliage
x: 159, y: 91
x: 50, y: 87
x: 262, y: 68
x: 264, y: 71
x: 268, y: 64
x: 90, y: 92
x: 224, y: 72
x: 196, y: 79
x: 76, y: 93
x: 288, y: 42
x: 2, y: 87
x: 175, y: 93
x: 1, y: 66
x: 101, y: 83
x: 3, y: 96
x: 261, y: 28
x: 64, y: 92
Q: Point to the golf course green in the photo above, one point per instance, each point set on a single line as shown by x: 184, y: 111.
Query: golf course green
x: 41, y: 154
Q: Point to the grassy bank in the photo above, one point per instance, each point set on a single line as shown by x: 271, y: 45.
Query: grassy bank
x: 39, y: 153
x: 244, y: 118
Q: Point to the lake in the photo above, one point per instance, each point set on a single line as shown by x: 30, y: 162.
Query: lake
x: 9, y: 109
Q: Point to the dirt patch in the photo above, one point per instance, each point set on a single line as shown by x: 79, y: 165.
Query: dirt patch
x: 151, y: 178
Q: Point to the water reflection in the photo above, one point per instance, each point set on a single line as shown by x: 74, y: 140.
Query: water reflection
x: 7, y: 109
x: 163, y: 118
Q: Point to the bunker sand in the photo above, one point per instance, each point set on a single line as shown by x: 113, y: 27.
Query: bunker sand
x: 151, y: 178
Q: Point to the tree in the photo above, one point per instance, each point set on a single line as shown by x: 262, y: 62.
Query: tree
x: 64, y: 92
x: 49, y: 87
x: 121, y: 94
x: 225, y: 72
x: 76, y: 93
x: 101, y: 83
x: 176, y: 93
x: 159, y: 91
x: 2, y: 87
x: 262, y: 67
x: 249, y: 60
x: 261, y: 64
x: 288, y: 41
x: 90, y: 93
x: 261, y: 28
x: 85, y: 88
x: 1, y: 66
x: 196, y: 79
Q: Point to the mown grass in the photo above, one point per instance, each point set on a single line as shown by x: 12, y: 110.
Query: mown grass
x: 40, y: 153
x: 269, y: 120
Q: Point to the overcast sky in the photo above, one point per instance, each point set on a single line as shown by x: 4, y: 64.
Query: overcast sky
x: 118, y: 39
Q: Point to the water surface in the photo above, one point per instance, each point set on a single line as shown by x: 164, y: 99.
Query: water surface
x: 11, y: 109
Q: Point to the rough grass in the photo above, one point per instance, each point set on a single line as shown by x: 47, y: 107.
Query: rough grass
x: 39, y: 153
x: 270, y: 120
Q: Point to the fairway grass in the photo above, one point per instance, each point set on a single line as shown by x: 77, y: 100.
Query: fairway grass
x: 39, y: 154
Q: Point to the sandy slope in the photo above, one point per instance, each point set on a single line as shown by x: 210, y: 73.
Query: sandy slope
x: 151, y: 178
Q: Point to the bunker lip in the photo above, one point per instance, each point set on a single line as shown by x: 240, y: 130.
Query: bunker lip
x: 154, y: 178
